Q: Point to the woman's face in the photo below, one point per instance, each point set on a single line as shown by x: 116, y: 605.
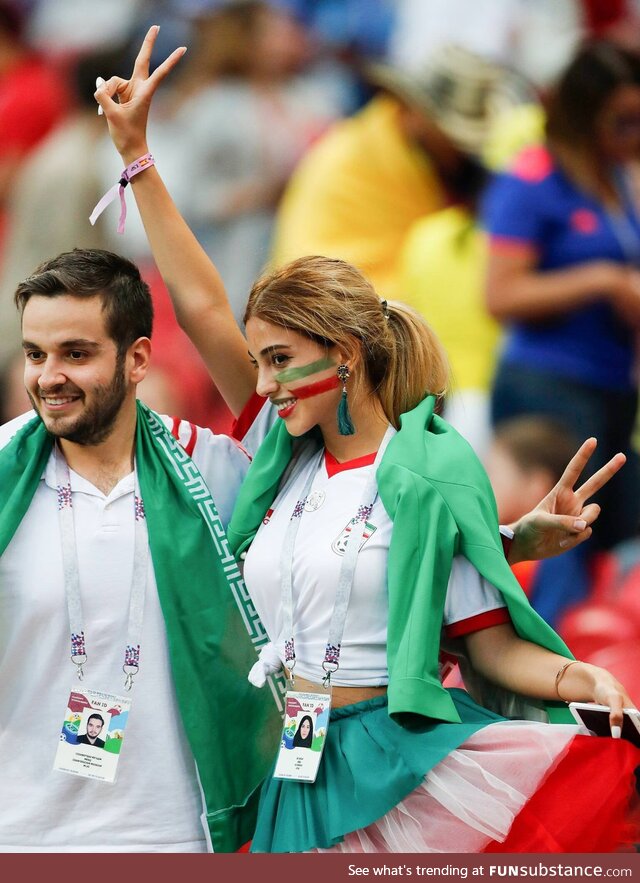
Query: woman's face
x: 305, y: 726
x: 309, y: 368
x: 618, y: 125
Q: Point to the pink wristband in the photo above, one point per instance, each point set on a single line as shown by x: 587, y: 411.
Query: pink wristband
x: 138, y: 165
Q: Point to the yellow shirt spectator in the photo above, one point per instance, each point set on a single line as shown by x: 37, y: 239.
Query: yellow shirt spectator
x: 442, y: 272
x: 356, y: 194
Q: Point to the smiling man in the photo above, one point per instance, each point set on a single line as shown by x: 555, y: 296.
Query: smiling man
x: 95, y: 724
x: 113, y: 555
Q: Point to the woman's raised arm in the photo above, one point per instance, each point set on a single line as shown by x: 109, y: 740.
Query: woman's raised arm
x: 195, y: 286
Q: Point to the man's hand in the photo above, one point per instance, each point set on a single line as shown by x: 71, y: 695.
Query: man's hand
x: 562, y: 520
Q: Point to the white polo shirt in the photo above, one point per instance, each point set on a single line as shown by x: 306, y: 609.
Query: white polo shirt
x: 155, y: 804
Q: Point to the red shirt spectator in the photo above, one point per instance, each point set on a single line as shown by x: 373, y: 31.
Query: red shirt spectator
x: 32, y: 98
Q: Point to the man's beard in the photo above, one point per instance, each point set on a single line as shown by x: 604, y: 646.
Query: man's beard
x: 96, y: 423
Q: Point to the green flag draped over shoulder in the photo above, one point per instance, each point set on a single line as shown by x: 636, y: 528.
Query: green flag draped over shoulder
x: 212, y: 630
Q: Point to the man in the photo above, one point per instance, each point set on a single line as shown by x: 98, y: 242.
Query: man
x: 129, y: 486
x: 408, y: 153
x: 95, y: 723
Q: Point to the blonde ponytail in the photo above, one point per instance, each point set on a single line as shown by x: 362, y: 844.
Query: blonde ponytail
x: 417, y: 367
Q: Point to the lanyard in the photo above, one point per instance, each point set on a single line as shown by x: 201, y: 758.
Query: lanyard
x: 331, y: 661
x: 72, y: 576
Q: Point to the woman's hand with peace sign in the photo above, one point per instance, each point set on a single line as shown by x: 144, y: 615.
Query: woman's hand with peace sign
x: 126, y: 103
x: 563, y: 519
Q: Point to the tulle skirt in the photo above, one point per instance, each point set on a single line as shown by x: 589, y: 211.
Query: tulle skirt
x: 510, y: 786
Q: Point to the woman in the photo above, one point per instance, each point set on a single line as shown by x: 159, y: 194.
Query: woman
x: 360, y: 485
x: 563, y: 272
x: 303, y: 737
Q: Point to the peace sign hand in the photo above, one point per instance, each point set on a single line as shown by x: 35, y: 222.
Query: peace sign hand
x: 562, y: 520
x: 127, y: 117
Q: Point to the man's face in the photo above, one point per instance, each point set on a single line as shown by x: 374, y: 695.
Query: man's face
x: 94, y: 727
x: 72, y: 373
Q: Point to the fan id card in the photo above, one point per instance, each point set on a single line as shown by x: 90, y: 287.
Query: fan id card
x: 92, y: 735
x: 306, y: 720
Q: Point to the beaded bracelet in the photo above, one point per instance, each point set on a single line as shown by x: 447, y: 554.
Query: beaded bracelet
x: 138, y: 165
x: 560, y: 675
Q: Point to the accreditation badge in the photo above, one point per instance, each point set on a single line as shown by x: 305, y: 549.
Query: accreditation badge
x: 92, y: 735
x: 306, y: 720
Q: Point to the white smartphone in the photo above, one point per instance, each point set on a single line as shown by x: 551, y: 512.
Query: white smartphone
x: 596, y: 719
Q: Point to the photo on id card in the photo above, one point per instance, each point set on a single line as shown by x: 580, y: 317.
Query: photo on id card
x: 306, y: 720
x: 92, y: 735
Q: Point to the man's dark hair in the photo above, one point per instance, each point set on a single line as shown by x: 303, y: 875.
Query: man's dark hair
x: 91, y: 272
x: 97, y: 717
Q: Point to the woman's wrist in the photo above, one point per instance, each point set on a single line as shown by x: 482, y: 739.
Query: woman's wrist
x: 575, y: 682
x: 131, y: 154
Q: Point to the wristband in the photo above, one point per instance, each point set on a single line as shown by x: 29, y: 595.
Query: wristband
x: 138, y: 165
x: 560, y: 675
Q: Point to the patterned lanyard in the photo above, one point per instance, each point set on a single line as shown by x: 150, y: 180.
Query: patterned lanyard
x: 331, y: 661
x: 72, y: 576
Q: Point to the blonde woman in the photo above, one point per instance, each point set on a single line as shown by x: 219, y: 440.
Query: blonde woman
x: 370, y: 542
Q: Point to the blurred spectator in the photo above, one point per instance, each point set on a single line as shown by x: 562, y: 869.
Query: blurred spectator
x: 442, y: 271
x: 249, y: 119
x: 604, y: 18
x: 67, y: 28
x: 563, y: 270
x: 13, y: 395
x: 407, y: 154
x: 538, y: 38
x: 344, y: 33
x: 526, y: 458
x: 361, y: 27
x: 33, y: 98
x: 53, y: 195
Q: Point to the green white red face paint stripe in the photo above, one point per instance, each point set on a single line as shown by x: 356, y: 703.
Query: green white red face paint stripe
x: 291, y: 375
x: 315, y: 389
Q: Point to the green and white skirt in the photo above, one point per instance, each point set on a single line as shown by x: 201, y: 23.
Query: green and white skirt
x: 447, y: 787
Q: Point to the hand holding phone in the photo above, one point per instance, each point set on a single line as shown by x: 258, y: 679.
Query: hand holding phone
x: 596, y: 719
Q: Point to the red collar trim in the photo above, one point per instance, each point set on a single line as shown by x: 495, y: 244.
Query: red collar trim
x: 333, y: 466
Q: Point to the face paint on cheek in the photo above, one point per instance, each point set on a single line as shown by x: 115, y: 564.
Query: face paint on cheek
x: 315, y: 389
x: 290, y: 375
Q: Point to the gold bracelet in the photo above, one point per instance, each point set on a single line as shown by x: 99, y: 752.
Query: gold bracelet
x: 560, y: 675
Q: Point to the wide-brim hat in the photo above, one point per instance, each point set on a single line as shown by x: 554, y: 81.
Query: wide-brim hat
x: 464, y: 93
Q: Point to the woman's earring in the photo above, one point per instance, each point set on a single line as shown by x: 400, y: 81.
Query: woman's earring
x: 345, y: 424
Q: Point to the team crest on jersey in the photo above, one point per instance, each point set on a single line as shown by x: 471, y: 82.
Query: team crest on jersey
x: 339, y: 545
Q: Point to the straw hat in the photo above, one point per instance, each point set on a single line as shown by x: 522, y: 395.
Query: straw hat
x: 462, y: 92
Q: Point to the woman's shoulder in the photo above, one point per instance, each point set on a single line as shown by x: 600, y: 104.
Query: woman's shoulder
x: 434, y: 457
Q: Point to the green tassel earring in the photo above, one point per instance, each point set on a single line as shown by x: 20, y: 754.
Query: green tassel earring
x: 345, y: 424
